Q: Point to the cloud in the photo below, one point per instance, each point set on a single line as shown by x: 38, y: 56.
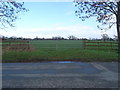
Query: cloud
x: 79, y: 31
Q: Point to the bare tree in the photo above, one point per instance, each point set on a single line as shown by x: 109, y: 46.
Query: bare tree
x: 103, y: 11
x: 105, y: 37
x: 115, y: 37
x: 71, y: 37
x: 9, y: 11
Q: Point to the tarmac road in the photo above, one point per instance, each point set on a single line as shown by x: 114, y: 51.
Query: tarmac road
x: 60, y: 75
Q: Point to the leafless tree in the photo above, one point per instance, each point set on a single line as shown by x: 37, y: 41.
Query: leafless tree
x: 103, y: 11
x: 9, y: 11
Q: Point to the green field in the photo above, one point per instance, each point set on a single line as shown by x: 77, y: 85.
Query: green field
x: 56, y: 44
x: 57, y: 50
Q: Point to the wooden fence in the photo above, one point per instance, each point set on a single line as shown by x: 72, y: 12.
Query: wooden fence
x: 100, y: 45
x: 15, y: 45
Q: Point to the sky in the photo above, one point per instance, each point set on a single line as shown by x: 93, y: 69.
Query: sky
x: 48, y: 19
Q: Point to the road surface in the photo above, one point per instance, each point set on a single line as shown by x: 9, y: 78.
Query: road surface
x: 60, y: 75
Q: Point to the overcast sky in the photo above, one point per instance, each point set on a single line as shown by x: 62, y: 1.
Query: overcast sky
x: 47, y: 19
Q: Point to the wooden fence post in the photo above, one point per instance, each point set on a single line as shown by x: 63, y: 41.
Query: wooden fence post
x: 28, y: 45
x: 111, y: 45
x: 84, y: 44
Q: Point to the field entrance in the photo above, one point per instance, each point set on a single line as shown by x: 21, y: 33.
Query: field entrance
x: 56, y: 44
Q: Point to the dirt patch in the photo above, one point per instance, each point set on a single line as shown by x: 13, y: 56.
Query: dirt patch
x: 17, y: 48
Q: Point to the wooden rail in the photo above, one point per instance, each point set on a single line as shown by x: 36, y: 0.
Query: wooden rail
x: 22, y: 45
x: 100, y: 45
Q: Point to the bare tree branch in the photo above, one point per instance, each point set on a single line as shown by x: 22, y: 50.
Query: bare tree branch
x: 9, y: 12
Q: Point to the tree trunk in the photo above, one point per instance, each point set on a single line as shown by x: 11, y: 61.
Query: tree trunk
x: 118, y: 28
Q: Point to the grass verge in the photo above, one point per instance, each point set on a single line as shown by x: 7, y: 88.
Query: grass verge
x: 59, y: 55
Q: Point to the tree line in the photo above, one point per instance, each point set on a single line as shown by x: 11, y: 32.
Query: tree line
x: 104, y: 37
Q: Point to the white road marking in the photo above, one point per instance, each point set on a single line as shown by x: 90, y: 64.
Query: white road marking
x: 100, y: 67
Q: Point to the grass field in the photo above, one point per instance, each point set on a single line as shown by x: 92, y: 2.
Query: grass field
x: 55, y: 50
x: 56, y: 44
